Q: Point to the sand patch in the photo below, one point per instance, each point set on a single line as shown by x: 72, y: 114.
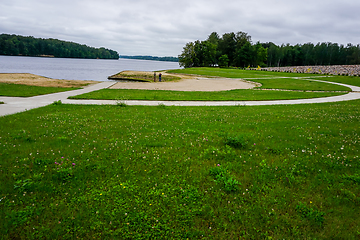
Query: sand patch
x: 35, y: 80
x: 190, y: 83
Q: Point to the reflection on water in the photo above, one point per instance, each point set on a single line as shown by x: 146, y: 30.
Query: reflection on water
x: 78, y: 69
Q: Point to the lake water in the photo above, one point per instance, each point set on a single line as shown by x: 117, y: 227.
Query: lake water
x: 78, y: 69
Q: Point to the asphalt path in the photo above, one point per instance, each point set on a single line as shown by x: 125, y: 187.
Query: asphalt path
x: 16, y: 104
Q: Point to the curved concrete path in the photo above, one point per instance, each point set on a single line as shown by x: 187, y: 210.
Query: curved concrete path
x: 355, y: 94
x: 19, y: 104
x: 15, y: 104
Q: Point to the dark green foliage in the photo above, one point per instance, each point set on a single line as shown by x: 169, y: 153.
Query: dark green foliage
x: 242, y: 53
x: 152, y: 58
x: 310, y: 213
x: 121, y: 104
x: 223, y: 61
x: 355, y: 178
x: 15, y: 45
x: 222, y: 177
x: 238, y: 142
x: 57, y: 102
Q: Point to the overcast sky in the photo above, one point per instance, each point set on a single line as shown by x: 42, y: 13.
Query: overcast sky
x: 162, y: 28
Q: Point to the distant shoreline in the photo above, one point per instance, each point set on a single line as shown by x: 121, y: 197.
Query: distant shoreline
x: 151, y: 58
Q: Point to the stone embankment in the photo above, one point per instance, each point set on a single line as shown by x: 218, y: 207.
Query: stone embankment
x: 349, y: 70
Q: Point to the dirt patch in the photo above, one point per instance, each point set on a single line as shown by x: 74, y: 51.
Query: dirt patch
x: 35, y: 80
x: 190, y: 83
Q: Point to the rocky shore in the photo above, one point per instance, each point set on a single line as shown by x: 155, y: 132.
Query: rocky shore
x: 347, y: 70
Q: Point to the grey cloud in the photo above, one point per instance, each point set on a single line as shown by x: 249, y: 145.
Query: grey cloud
x: 162, y: 28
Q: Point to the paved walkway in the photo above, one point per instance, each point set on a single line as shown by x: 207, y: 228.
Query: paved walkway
x: 15, y: 104
x: 19, y: 104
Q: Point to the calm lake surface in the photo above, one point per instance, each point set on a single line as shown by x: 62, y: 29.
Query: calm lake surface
x: 78, y: 69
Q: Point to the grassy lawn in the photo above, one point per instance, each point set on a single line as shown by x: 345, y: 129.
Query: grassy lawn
x: 136, y: 172
x: 232, y: 95
x: 278, y: 81
x: 297, y: 84
x: 235, y: 73
x: 19, y: 90
x: 351, y: 80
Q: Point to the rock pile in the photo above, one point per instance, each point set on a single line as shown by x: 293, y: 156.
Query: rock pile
x: 349, y: 70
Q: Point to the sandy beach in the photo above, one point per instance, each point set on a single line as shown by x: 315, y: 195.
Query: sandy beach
x: 35, y: 80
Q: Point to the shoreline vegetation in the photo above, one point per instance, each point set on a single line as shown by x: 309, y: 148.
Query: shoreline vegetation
x: 16, y: 45
x: 151, y: 58
x: 237, y: 50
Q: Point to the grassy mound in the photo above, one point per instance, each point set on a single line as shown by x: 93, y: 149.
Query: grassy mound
x: 142, y: 76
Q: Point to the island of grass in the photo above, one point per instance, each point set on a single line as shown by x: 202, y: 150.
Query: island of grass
x: 140, y: 76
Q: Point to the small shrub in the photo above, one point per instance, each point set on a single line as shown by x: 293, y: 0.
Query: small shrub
x: 310, y: 214
x: 275, y: 151
x: 24, y: 136
x: 121, y: 104
x: 231, y: 185
x: 57, y: 102
x: 355, y: 178
x: 161, y: 105
x: 64, y: 174
x: 24, y: 185
x: 238, y: 142
x: 222, y: 177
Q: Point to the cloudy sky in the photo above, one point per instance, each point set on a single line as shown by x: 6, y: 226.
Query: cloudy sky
x: 162, y: 28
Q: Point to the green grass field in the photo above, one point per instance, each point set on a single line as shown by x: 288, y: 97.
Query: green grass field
x: 139, y: 172
x: 277, y: 172
x: 235, y: 73
x: 232, y: 95
x: 19, y: 90
x: 264, y: 77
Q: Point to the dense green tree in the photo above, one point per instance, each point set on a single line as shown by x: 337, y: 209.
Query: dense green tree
x: 244, y: 56
x: 241, y: 52
x: 186, y: 58
x: 214, y: 38
x: 227, y: 45
x: 29, y: 46
x: 224, y: 61
x: 261, y: 55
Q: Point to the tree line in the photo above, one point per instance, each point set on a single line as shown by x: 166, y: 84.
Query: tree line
x: 15, y: 45
x: 309, y: 54
x: 237, y: 50
x: 152, y: 58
